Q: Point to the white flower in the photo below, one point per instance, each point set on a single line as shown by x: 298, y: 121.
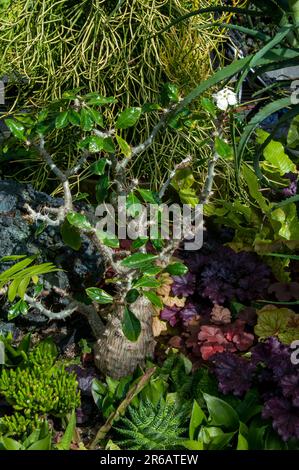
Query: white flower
x: 225, y: 98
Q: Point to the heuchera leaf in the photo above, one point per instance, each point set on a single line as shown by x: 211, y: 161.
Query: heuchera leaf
x: 273, y: 321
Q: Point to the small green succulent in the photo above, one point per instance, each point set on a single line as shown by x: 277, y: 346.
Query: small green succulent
x: 37, y: 388
x: 152, y: 427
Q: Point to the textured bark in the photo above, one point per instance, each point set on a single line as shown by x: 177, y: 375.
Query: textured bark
x: 115, y: 355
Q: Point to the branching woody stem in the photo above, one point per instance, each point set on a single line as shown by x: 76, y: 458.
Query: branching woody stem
x: 62, y: 315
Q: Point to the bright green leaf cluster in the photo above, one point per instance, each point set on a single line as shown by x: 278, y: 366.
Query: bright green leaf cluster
x: 37, y: 388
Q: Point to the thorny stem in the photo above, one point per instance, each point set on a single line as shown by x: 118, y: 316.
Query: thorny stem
x: 88, y: 311
x: 62, y: 315
x: 107, y: 253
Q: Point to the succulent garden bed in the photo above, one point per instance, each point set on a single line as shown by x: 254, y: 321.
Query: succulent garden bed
x: 149, y: 226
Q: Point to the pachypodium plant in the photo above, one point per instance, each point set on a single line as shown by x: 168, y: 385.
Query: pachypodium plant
x: 121, y: 318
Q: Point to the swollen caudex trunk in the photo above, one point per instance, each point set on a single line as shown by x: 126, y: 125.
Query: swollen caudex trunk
x: 115, y: 355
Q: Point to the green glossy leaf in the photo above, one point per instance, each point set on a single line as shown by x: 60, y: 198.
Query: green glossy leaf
x: 170, y: 92
x: 108, y: 145
x: 193, y: 445
x: 254, y: 189
x: 137, y: 260
x: 70, y: 235
x: 209, y: 106
x: 96, y: 99
x: 139, y: 242
x: 99, y: 295
x: 102, y: 188
x: 151, y: 270
x: 62, y: 120
x: 293, y: 134
x: 12, y: 290
x: 42, y: 444
x: 149, y: 107
x: 17, y: 309
x: 132, y: 296
x: 124, y: 146
x: 221, y: 413
x: 98, y: 390
x: 98, y: 168
x: 128, y: 118
x: 16, y: 128
x: 132, y: 205
x: 74, y: 117
x: 10, y: 444
x: 22, y: 287
x: 153, y: 298
x: 109, y: 239
x: 95, y: 144
x: 183, y: 179
x: 9, y: 273
x: 11, y: 258
x: 97, y: 117
x: 131, y: 325
x: 223, y: 148
x: 259, y: 117
x: 197, y: 417
x: 177, y: 269
x: 79, y: 221
x: 87, y: 121
x: 67, y: 438
x: 220, y: 440
x: 72, y: 94
x: 147, y: 281
x: 148, y: 196
x: 242, y: 443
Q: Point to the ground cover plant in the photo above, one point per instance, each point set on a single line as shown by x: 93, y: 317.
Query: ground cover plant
x: 136, y: 333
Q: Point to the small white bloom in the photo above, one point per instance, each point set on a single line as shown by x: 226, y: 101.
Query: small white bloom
x: 225, y: 98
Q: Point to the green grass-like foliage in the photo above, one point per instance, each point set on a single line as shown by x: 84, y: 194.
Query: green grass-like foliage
x: 37, y: 388
x: 151, y: 427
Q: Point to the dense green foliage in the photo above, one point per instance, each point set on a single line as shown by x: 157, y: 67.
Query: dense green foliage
x: 152, y: 427
x: 37, y: 388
